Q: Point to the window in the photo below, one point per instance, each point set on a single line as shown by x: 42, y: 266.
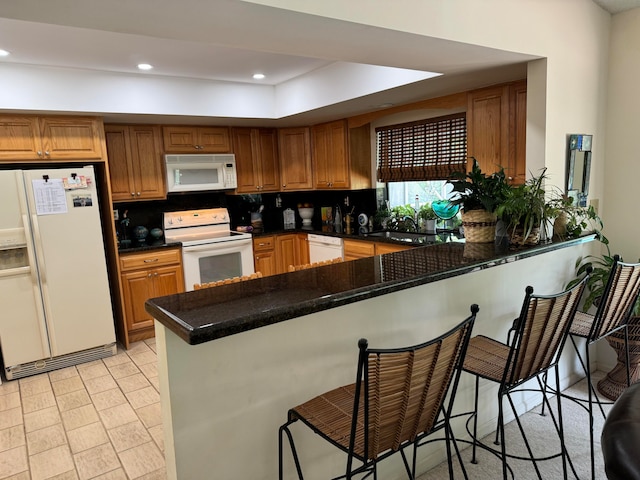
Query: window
x: 430, y: 149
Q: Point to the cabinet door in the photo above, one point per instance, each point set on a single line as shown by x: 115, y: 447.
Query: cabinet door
x: 517, y: 166
x: 247, y: 170
x: 168, y: 280
x: 120, y: 168
x: 146, y: 159
x: 294, y: 145
x: 382, y: 248
x: 213, y: 139
x: 339, y: 158
x: 20, y: 138
x: 71, y: 138
x: 354, y: 249
x: 267, y: 148
x: 265, y: 262
x: 137, y: 288
x: 286, y: 252
x: 180, y: 139
x: 488, y: 128
x: 303, y: 249
x: 330, y: 159
x: 320, y: 149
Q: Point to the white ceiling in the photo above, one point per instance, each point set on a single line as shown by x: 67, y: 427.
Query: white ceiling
x: 229, y: 40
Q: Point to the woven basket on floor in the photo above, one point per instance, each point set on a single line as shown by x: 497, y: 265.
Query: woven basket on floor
x: 479, y: 226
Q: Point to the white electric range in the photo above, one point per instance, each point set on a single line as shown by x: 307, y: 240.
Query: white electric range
x: 211, y: 251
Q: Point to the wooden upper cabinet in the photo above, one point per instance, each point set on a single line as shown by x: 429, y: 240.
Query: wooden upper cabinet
x: 185, y: 139
x: 488, y: 128
x: 50, y: 138
x: 294, y: 145
x: 330, y: 155
x: 517, y: 166
x: 135, y: 162
x: 256, y: 152
x: 496, y: 129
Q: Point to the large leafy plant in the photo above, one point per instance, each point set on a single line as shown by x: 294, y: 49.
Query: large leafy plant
x: 525, y: 207
x: 601, y: 269
x: 477, y: 191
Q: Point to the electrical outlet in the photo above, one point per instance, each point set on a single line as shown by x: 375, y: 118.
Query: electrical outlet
x: 595, y: 203
x: 116, y: 215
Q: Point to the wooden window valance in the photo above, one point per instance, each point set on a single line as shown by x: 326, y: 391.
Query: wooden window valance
x: 429, y: 149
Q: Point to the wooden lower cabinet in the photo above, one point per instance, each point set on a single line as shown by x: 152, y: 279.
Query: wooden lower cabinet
x: 143, y: 276
x: 354, y: 249
x: 272, y: 254
x: 381, y: 248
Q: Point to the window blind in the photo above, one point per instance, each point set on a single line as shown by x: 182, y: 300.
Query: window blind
x: 429, y: 149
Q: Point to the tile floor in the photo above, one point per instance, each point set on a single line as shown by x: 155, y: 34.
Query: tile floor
x: 98, y: 420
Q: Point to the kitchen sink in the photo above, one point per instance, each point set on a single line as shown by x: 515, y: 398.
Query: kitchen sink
x: 405, y: 236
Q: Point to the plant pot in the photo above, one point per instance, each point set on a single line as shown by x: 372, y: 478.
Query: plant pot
x: 430, y: 226
x: 517, y: 236
x: 560, y: 225
x: 479, y: 226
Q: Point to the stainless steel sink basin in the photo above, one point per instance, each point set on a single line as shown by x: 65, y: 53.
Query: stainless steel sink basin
x: 402, y: 236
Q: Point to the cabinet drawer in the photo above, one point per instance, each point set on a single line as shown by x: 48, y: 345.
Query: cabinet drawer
x: 157, y: 258
x: 358, y: 249
x: 264, y: 243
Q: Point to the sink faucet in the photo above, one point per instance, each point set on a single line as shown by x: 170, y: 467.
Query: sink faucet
x: 411, y: 220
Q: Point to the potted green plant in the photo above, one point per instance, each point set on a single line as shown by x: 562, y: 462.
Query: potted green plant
x: 428, y: 217
x: 479, y: 195
x: 525, y: 210
x: 572, y: 220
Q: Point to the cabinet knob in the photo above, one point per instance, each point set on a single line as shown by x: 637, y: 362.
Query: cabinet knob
x: 39, y: 153
x: 284, y: 185
x: 138, y: 194
x: 148, y: 275
x: 150, y: 260
x: 46, y: 152
x: 133, y: 194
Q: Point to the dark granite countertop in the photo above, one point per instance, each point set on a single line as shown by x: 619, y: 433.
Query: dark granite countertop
x: 408, y: 239
x: 137, y: 248
x: 204, y: 315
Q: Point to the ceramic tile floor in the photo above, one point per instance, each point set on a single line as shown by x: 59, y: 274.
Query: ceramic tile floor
x: 98, y: 420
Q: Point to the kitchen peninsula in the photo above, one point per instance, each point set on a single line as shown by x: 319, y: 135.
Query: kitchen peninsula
x: 233, y: 359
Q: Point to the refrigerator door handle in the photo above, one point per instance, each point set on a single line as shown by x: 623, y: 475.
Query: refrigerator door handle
x: 37, y: 240
x: 44, y: 337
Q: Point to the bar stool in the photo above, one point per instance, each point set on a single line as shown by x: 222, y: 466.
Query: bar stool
x: 540, y: 332
x: 614, y: 308
x: 397, y: 400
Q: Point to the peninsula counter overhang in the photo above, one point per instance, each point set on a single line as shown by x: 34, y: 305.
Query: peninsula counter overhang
x: 204, y: 315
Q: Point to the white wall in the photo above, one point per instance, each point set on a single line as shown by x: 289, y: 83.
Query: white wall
x: 622, y: 155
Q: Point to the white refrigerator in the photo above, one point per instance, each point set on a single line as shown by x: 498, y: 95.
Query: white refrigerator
x: 55, y: 305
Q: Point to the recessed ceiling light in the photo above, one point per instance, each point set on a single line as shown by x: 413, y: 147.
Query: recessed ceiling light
x: 3, y: 53
x: 145, y: 66
x: 258, y: 76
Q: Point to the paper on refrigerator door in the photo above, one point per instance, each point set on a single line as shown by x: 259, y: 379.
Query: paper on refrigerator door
x: 50, y: 196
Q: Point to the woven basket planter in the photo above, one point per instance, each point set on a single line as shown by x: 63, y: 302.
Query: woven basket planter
x: 517, y: 237
x: 479, y: 226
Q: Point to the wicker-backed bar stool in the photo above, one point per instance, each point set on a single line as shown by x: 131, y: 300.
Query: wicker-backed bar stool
x: 611, y: 317
x: 397, y: 400
x: 540, y: 332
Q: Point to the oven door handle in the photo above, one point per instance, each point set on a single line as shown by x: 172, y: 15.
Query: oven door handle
x: 231, y: 244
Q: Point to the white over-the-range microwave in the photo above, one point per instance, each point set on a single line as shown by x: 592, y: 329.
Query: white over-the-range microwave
x: 201, y: 172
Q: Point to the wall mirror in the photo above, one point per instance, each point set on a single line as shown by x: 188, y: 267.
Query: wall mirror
x: 578, y: 167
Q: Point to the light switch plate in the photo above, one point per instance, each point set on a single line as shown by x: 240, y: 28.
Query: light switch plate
x: 116, y: 215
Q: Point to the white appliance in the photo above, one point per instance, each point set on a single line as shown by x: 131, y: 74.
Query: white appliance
x: 200, y: 172
x: 210, y: 250
x: 54, y: 290
x: 323, y: 247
